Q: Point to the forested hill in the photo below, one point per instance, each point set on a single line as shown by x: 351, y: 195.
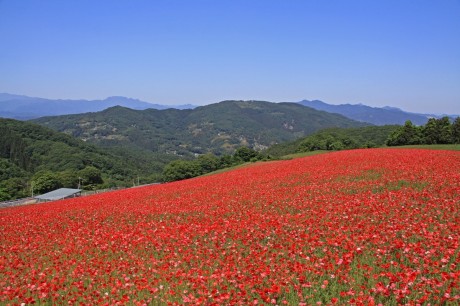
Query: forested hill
x: 219, y: 128
x: 30, y: 152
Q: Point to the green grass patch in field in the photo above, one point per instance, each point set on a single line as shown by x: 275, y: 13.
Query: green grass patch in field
x: 303, y: 154
x: 228, y: 169
x: 368, y: 175
x: 286, y: 157
x: 455, y: 147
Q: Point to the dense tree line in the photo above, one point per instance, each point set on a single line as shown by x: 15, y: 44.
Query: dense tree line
x: 336, y: 139
x: 206, y: 163
x: 13, y: 148
x: 35, y: 159
x: 435, y: 131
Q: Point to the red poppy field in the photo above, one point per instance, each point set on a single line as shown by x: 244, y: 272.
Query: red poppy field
x: 363, y: 227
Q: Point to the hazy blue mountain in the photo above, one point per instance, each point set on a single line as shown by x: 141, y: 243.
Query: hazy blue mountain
x: 375, y: 115
x: 24, y: 107
x: 7, y: 96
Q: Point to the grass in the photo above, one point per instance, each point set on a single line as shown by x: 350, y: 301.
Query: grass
x: 227, y: 169
x: 285, y: 157
x: 303, y: 154
x: 454, y: 147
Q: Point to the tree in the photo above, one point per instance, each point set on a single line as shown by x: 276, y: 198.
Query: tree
x: 445, y: 130
x: 208, y: 163
x: 68, y: 178
x: 226, y: 161
x: 180, y: 169
x: 4, y: 196
x: 90, y: 177
x: 456, y: 131
x: 437, y: 131
x: 45, y: 181
x: 408, y: 134
x: 245, y: 154
x: 430, y: 132
x: 336, y: 146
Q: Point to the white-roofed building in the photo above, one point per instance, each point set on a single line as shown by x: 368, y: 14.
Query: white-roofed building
x: 59, y: 194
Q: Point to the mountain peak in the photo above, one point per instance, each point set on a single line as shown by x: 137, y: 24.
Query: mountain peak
x: 24, y: 107
x: 117, y: 98
x: 364, y: 113
x: 391, y: 108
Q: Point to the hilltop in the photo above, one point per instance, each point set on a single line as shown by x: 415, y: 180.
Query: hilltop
x: 24, y: 107
x: 217, y: 128
x: 375, y: 115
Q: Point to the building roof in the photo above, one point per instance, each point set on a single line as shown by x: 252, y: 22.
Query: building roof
x: 58, y: 194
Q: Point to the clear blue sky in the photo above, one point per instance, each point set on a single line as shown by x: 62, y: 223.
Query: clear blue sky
x: 403, y: 53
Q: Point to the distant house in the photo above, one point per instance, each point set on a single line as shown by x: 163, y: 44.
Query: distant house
x: 59, y: 194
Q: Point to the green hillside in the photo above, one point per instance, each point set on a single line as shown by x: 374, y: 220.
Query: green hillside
x: 336, y: 139
x: 218, y: 128
x: 32, y: 154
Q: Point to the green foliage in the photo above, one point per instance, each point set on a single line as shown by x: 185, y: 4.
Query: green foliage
x: 27, y: 148
x: 435, y: 131
x: 408, y: 134
x: 453, y: 147
x: 445, y: 130
x: 13, y: 180
x: 90, y: 177
x: 45, y: 181
x: 456, y: 131
x: 184, y: 169
x: 68, y: 179
x: 245, y: 154
x: 208, y: 163
x: 181, y: 169
x: 226, y: 161
x: 14, y: 187
x: 13, y: 148
x: 9, y: 170
x: 4, y: 195
x: 335, y: 139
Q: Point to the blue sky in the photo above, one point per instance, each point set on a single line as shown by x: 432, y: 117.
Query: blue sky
x: 403, y: 53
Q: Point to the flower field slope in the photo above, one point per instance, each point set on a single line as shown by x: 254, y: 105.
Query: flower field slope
x: 363, y: 227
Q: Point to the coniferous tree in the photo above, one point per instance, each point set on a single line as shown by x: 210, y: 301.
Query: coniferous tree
x: 444, y: 129
x: 408, y: 134
x: 430, y: 133
x: 456, y: 131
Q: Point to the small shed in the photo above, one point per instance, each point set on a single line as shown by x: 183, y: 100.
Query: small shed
x: 59, y: 194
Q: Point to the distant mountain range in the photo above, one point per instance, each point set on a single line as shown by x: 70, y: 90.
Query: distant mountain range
x: 219, y: 128
x: 375, y: 115
x: 24, y: 107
